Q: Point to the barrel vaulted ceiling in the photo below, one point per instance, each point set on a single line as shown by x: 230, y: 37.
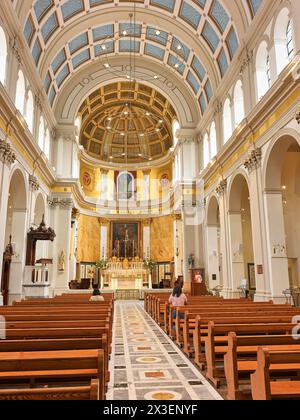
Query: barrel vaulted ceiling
x: 198, y: 45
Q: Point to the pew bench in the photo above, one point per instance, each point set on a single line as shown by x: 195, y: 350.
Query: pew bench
x: 67, y: 393
x: 52, y: 367
x: 263, y: 385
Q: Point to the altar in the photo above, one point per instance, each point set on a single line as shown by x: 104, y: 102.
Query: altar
x: 126, y: 275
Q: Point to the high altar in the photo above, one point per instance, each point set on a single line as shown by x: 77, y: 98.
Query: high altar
x: 125, y: 269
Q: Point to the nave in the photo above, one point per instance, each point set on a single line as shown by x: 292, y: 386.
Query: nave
x: 147, y: 365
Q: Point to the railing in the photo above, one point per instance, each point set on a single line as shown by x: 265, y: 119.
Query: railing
x: 36, y: 275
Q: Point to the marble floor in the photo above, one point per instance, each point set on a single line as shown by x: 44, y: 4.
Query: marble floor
x: 146, y: 365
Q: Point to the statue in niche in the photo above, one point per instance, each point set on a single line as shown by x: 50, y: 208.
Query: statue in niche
x: 61, y: 261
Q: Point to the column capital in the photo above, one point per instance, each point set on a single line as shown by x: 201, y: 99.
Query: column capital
x: 7, y: 155
x: 104, y: 171
x: 254, y: 160
x: 222, y: 187
x: 33, y: 183
x: 66, y: 132
x: 63, y: 203
x: 188, y: 135
x: 246, y: 61
x: 297, y: 116
x: 146, y: 172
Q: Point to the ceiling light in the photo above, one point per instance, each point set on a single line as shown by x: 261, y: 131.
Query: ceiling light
x: 140, y: 155
x: 157, y: 130
x: 160, y: 121
x: 109, y: 127
x: 123, y: 154
x: 124, y: 33
x: 106, y: 65
x: 148, y: 114
x: 109, y: 118
x: 179, y: 47
x: 103, y: 47
x: 155, y: 77
x: 176, y: 66
x: 157, y: 33
x: 111, y: 157
x: 126, y: 113
x: 284, y: 187
x: 122, y: 134
x: 142, y: 135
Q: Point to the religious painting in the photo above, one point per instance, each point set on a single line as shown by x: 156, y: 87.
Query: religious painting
x: 251, y: 276
x: 125, y: 239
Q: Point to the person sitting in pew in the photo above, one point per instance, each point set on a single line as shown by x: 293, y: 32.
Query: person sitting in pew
x: 96, y: 297
x: 178, y: 299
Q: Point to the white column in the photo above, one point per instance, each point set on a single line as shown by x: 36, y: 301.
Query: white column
x: 225, y: 275
x: 104, y: 184
x: 178, y: 246
x: 61, y: 223
x: 276, y: 242
x: 67, y: 153
x: 103, y: 241
x: 212, y: 247
x: 237, y: 255
x: 146, y: 184
x: 7, y: 158
x: 18, y: 233
x: 146, y: 242
x: 258, y: 227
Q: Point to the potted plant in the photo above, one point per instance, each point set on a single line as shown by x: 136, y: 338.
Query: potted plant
x: 102, y: 265
x: 149, y: 265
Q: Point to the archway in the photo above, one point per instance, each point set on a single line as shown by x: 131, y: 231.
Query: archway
x: 283, y: 205
x: 213, y: 244
x: 16, y: 227
x: 240, y: 231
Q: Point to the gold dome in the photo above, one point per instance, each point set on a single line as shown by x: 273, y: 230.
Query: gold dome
x: 126, y: 122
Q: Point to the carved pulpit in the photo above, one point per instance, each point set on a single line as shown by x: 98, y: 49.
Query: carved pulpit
x: 36, y: 282
x: 42, y: 233
x: 7, y: 256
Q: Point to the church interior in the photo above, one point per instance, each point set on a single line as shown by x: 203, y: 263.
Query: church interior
x: 150, y: 157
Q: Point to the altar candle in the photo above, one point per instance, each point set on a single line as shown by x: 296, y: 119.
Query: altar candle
x: 133, y: 249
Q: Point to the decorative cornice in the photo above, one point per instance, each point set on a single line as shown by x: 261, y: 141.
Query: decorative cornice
x: 7, y: 155
x: 15, y: 49
x: 222, y: 188
x: 254, y: 160
x: 218, y: 109
x: 64, y: 203
x: 33, y: 183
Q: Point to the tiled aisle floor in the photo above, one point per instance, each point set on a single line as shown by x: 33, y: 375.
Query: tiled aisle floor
x: 147, y: 365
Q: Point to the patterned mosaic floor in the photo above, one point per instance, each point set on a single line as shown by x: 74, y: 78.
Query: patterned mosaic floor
x: 147, y: 365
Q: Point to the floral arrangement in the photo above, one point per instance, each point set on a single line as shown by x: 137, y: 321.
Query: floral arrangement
x: 102, y: 264
x: 149, y: 264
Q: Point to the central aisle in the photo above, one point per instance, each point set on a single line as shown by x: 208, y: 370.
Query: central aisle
x: 147, y: 365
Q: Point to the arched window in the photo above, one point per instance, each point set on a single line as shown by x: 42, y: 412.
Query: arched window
x: 263, y: 70
x: 175, y: 127
x: 206, y: 153
x: 239, y: 107
x: 47, y: 144
x: 290, y: 40
x: 41, y: 140
x: 227, y: 121
x: 3, y: 56
x: 20, y: 93
x: 29, y: 110
x: 125, y: 185
x: 213, y: 141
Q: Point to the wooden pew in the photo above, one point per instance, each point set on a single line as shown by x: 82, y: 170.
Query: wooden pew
x: 66, y: 366
x: 66, y: 393
x: 60, y: 344
x: 185, y: 328
x: 268, y: 362
x: 244, y: 348
x: 218, y: 335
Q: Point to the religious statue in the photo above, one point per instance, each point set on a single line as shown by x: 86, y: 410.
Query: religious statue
x: 61, y: 261
x: 191, y: 261
x: 198, y: 277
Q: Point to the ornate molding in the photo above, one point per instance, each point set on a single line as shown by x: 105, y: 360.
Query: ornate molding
x: 297, y: 117
x: 218, y: 109
x: 63, y: 203
x: 247, y: 61
x: 254, y: 160
x: 15, y: 49
x: 222, y: 187
x: 7, y: 155
x: 33, y: 183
